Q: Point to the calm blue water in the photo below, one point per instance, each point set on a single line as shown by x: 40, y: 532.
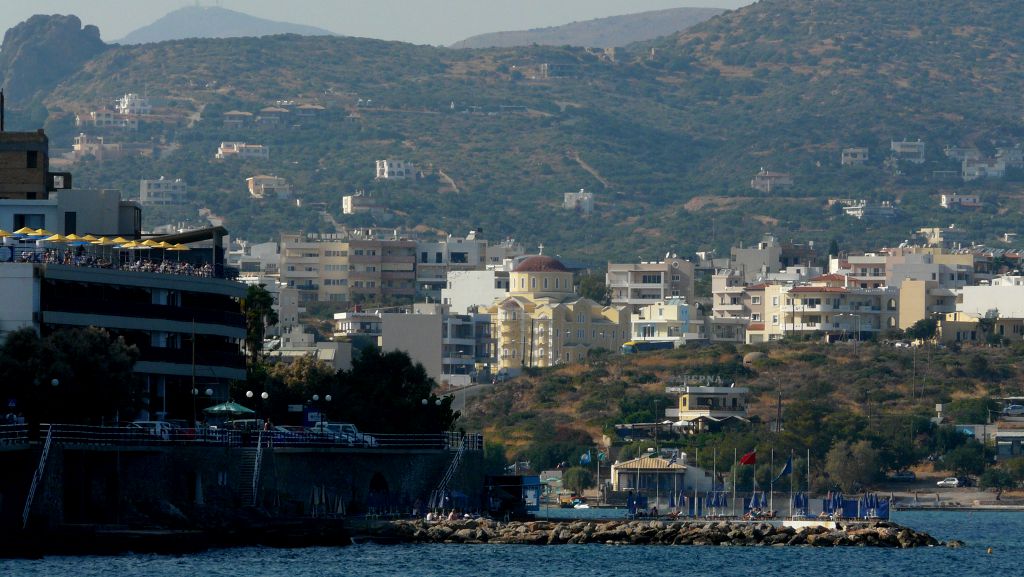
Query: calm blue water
x: 1002, y: 531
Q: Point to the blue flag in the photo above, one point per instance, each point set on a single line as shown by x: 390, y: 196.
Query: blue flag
x: 786, y: 470
x: 585, y: 458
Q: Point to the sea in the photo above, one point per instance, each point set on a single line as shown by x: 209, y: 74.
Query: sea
x: 1002, y: 532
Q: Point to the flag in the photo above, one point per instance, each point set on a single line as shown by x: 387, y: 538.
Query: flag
x: 585, y: 458
x: 675, y: 457
x: 786, y: 470
x: 601, y: 456
x: 750, y: 458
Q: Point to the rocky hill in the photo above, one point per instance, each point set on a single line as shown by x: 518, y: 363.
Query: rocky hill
x: 599, y: 32
x: 667, y: 134
x: 43, y: 51
x: 213, y: 22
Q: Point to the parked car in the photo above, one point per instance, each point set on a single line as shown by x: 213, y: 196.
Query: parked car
x: 903, y: 477
x: 1013, y: 410
x: 349, y: 431
x: 949, y: 482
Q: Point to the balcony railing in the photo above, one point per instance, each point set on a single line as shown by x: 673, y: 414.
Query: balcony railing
x: 128, y: 436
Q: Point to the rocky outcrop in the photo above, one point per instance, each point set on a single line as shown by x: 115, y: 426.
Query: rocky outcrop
x: 721, y: 533
x: 39, y: 53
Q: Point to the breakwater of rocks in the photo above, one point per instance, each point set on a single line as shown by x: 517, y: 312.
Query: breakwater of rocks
x: 719, y: 533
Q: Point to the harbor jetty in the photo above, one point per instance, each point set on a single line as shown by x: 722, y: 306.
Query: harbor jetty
x: 651, y: 532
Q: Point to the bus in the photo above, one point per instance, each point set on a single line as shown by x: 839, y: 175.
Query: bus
x: 632, y: 347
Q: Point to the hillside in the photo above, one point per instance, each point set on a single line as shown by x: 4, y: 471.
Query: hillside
x: 667, y: 134
x: 213, y: 22
x: 599, y: 32
x: 877, y: 392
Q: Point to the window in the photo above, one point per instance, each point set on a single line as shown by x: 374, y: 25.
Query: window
x: 423, y: 256
x: 755, y: 300
x: 756, y: 317
x: 70, y: 223
x: 545, y: 282
x: 438, y: 257
x: 650, y: 279
x: 533, y: 282
x: 32, y: 160
x: 675, y: 278
x: 775, y: 320
x: 30, y: 220
x: 775, y: 301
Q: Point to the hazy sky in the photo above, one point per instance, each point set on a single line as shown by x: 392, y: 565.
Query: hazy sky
x: 418, y: 21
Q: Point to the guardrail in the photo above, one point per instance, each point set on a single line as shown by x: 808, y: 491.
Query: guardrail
x: 209, y: 436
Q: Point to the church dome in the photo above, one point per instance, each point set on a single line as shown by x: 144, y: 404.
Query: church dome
x: 540, y: 263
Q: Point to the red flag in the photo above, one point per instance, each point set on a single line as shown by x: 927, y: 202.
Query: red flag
x: 750, y: 458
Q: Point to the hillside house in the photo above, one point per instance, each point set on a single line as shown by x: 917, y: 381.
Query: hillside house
x: 359, y: 203
x: 273, y: 116
x: 237, y: 118
x: 955, y: 200
x: 391, y: 169
x: 85, y: 145
x: 766, y: 181
x: 132, y: 103
x: 242, y: 150
x: 162, y: 191
x: 906, y: 150
x: 1012, y: 156
x: 107, y: 118
x: 855, y: 156
x: 961, y: 154
x: 263, y: 186
x: 983, y: 168
x: 581, y: 201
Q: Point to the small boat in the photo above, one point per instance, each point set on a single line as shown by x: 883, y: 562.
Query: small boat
x: 581, y: 506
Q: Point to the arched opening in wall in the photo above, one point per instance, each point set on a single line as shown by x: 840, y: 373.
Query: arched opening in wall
x: 378, y: 500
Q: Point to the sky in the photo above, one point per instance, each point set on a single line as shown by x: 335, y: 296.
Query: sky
x: 438, y: 22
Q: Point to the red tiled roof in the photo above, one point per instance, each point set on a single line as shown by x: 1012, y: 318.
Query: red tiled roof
x: 818, y: 289
x: 827, y: 277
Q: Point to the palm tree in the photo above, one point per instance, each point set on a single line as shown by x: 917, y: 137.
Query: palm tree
x: 259, y: 314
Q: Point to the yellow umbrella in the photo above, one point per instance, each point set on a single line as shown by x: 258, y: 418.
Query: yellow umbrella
x: 4, y: 233
x: 149, y: 242
x: 24, y: 230
x: 103, y: 241
x: 73, y: 237
x: 90, y: 238
x: 120, y: 240
x: 162, y: 244
x: 41, y: 232
x: 56, y: 238
x: 179, y: 246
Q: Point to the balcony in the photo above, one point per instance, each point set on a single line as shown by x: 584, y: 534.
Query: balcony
x: 144, y: 310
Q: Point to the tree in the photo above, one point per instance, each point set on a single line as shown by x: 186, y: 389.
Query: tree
x: 259, y: 314
x: 70, y: 376
x: 833, y: 248
x: 923, y: 329
x: 852, y: 466
x: 577, y: 478
x: 592, y: 287
x: 997, y: 479
x: 966, y: 459
x: 388, y: 393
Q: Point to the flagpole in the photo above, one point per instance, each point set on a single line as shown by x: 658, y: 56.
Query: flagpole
x: 734, y: 481
x: 599, y: 476
x: 771, y: 483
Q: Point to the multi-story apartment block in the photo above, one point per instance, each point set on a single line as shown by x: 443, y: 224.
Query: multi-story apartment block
x: 391, y: 169
x: 25, y: 167
x: 1011, y: 156
x: 500, y: 255
x: 268, y: 186
x: 730, y: 314
x: 543, y: 322
x: 469, y: 290
x: 242, y: 151
x: 863, y: 270
x: 828, y: 305
x: 162, y: 191
x: 909, y: 151
x: 854, y: 156
x: 705, y: 408
x: 670, y: 320
x: 436, y: 258
x: 360, y: 267
x: 639, y: 284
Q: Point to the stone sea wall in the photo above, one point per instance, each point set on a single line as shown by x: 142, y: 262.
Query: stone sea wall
x: 720, y: 533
